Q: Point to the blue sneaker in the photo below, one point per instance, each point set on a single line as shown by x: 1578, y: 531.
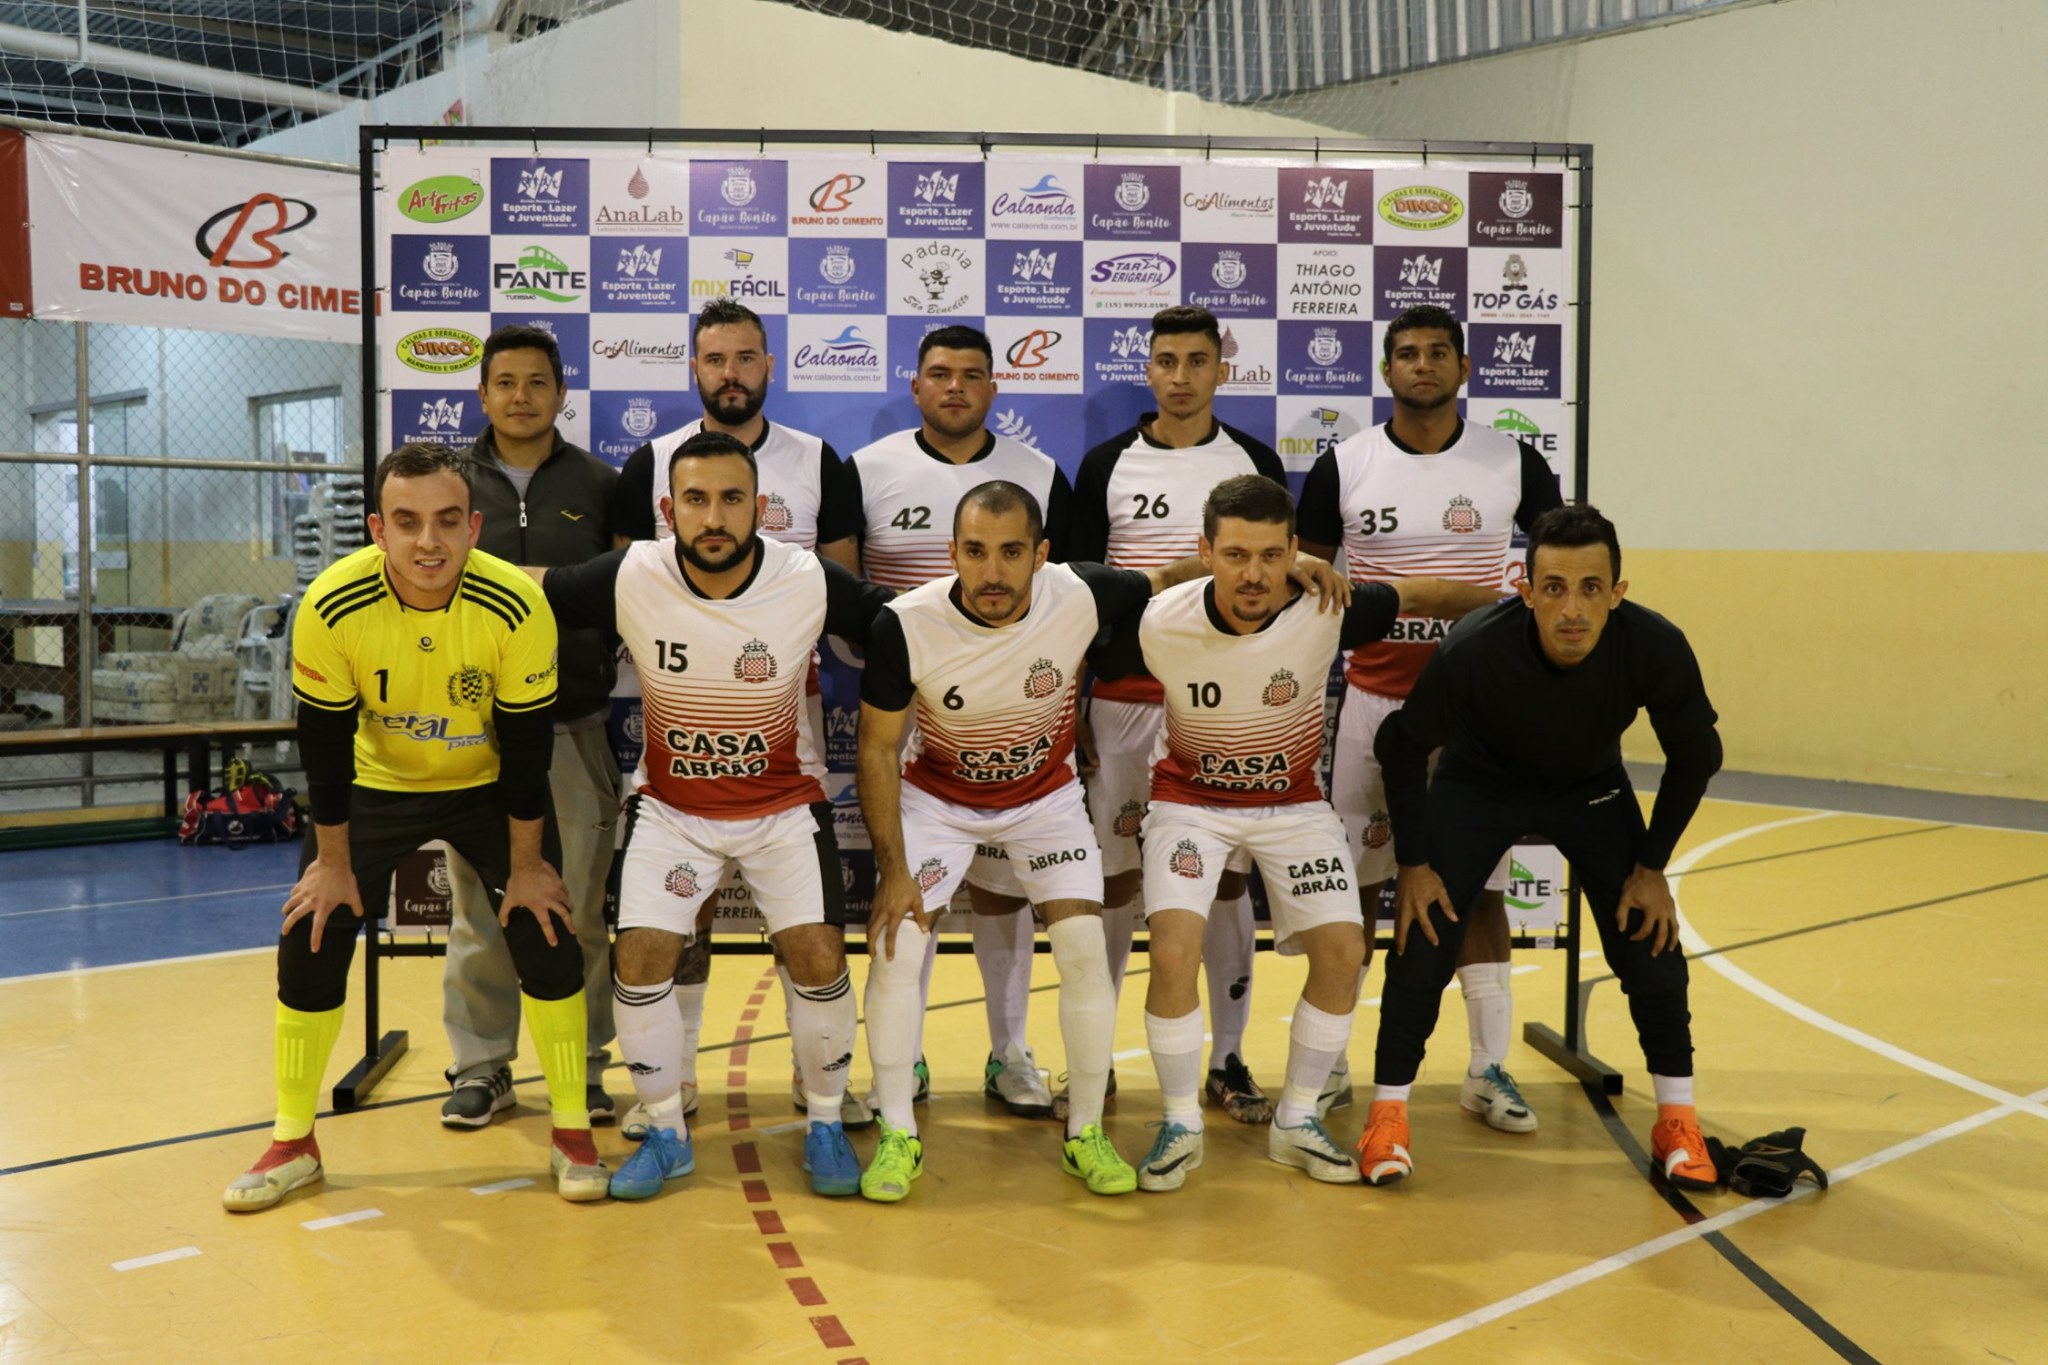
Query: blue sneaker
x: 662, y: 1156
x: 829, y: 1157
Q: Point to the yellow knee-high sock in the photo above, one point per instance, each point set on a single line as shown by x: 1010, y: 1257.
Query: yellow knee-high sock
x: 304, y: 1043
x: 559, y: 1030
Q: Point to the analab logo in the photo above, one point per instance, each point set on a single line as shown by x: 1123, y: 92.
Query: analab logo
x: 263, y: 217
x: 439, y: 350
x: 440, y: 198
x: 1421, y: 208
x: 539, y: 274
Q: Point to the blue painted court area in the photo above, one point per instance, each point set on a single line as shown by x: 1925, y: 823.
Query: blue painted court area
x: 66, y: 908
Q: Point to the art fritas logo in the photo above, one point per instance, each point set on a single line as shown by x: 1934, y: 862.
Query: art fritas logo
x: 440, y: 415
x: 247, y: 242
x: 1515, y: 348
x: 540, y: 183
x: 1029, y: 352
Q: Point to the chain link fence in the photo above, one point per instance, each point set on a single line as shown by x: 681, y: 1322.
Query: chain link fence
x: 164, y: 496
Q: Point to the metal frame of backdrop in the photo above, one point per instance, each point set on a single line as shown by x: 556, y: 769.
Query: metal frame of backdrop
x: 1566, y: 1047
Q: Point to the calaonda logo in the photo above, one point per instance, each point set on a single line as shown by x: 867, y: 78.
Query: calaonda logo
x: 439, y: 350
x: 1421, y: 207
x: 440, y: 198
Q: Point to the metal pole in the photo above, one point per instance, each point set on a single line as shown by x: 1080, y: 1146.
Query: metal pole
x: 88, y: 642
x: 366, y: 170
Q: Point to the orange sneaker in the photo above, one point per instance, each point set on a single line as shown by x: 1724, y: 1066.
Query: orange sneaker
x: 284, y: 1168
x: 1383, y: 1146
x: 1680, y: 1150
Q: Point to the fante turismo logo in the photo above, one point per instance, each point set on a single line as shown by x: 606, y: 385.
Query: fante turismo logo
x: 1526, y: 890
x: 439, y: 350
x: 1043, y: 680
x: 1035, y: 264
x: 1029, y: 352
x: 639, y: 419
x: 540, y: 274
x: 681, y: 881
x: 638, y: 262
x: 937, y: 187
x: 1185, y: 860
x: 1325, y: 193
x: 1461, y: 516
x: 1421, y: 207
x: 262, y: 217
x: 440, y: 415
x: 540, y: 183
x: 1421, y: 269
x: 755, y: 664
x: 440, y: 198
x: 1281, y: 689
x: 1129, y: 817
x: 1128, y: 343
x: 737, y: 189
x: 835, y: 195
x: 1515, y: 348
x: 930, y: 873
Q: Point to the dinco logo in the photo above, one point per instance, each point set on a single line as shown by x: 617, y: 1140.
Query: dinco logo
x: 440, y: 198
x: 439, y: 350
x: 1421, y: 207
x: 263, y: 217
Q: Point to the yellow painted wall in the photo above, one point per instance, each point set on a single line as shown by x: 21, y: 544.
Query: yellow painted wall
x: 1910, y: 669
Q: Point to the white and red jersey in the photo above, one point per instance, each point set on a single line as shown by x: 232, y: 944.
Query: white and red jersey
x: 994, y: 705
x: 722, y: 679
x: 1404, y: 514
x: 795, y: 470
x: 1138, y: 505
x: 898, y: 496
x: 1244, y: 713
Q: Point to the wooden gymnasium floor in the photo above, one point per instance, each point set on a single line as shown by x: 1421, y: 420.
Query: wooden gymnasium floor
x: 1875, y: 978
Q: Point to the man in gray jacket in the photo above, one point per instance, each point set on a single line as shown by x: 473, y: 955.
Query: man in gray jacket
x: 544, y: 504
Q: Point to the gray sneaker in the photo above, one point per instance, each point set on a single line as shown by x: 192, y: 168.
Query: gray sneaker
x: 477, y: 1098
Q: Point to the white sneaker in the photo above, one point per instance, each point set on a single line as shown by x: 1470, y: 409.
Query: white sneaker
x: 1175, y: 1152
x: 1014, y: 1078
x: 638, y: 1120
x: 1496, y: 1098
x: 1309, y: 1148
x: 1336, y: 1092
x: 854, y: 1112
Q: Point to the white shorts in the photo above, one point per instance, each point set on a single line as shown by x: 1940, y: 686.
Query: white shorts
x: 1046, y: 845
x: 674, y: 861
x: 1121, y: 788
x: 1360, y: 794
x: 1300, y: 850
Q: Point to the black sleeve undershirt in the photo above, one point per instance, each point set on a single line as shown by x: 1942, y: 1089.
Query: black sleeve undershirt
x: 844, y: 514
x: 327, y: 751
x: 1117, y: 651
x: 1403, y: 746
x: 1120, y: 594
x: 585, y: 596
x: 526, y: 749
x: 631, y: 509
x: 1058, y: 505
x: 1319, y: 520
x: 1539, y: 488
x: 1373, y: 610
x: 1088, y: 515
x: 853, y: 606
x: 1689, y: 764
x: 885, y: 681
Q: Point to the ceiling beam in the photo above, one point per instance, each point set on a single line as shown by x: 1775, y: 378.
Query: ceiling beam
x: 163, y: 71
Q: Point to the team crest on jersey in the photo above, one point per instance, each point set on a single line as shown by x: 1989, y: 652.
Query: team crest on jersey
x: 1379, y: 830
x: 755, y: 663
x: 1281, y: 689
x: 930, y: 873
x: 470, y: 686
x: 426, y: 644
x: 1043, y: 680
x: 1461, y: 516
x: 1185, y: 860
x: 777, y: 517
x: 681, y: 881
x: 1128, y: 820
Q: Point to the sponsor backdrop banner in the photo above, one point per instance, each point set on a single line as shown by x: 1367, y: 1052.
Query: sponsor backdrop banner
x: 221, y: 243
x: 850, y: 260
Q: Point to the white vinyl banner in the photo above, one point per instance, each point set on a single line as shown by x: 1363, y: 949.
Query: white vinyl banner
x: 163, y: 238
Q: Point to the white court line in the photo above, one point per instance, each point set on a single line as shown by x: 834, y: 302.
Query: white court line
x: 151, y: 900
x: 318, y: 1224
x: 776, y: 1130
x: 182, y: 1253
x: 1656, y: 1246
x: 518, y: 1182
x: 131, y: 966
x: 1698, y: 946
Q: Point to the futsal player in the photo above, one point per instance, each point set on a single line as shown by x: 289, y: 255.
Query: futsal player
x: 1137, y: 504
x: 1241, y: 660
x: 722, y: 622
x: 1527, y: 700
x: 888, y: 517
x: 1425, y: 493
x: 733, y: 369
x: 424, y: 672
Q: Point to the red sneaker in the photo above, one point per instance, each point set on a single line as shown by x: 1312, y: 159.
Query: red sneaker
x: 1383, y: 1146
x: 284, y: 1168
x: 1680, y: 1149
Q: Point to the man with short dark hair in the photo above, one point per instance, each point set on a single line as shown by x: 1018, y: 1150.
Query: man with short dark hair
x: 1137, y: 503
x: 1527, y: 700
x: 888, y: 518
x: 424, y: 670
x: 543, y: 502
x: 1425, y: 493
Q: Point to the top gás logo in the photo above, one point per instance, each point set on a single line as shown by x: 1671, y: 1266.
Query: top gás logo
x: 263, y: 217
x: 440, y: 198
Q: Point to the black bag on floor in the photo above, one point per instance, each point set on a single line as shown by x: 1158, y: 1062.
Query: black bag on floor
x: 251, y: 809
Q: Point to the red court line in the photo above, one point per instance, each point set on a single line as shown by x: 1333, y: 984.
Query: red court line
x: 785, y: 1256
x: 747, y: 1158
x: 831, y: 1333
x: 768, y: 1222
x: 809, y: 1295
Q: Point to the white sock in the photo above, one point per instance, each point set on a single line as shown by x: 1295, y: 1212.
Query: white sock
x: 1119, y: 926
x: 822, y: 1020
x: 1672, y: 1089
x: 650, y: 1039
x: 1227, y: 944
x: 1087, y: 1015
x: 1003, y: 945
x: 1399, y: 1093
x: 924, y: 982
x: 690, y: 1007
x: 1177, y: 1057
x: 668, y: 1113
x: 789, y: 1016
x: 1489, y: 1013
x: 1315, y: 1043
x: 893, y: 1010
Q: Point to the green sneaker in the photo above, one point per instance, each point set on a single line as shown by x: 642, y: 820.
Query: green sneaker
x: 924, y: 1082
x: 898, y: 1160
x: 1091, y: 1157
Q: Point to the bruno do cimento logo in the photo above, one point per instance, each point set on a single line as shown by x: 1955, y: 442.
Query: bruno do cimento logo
x: 1421, y: 207
x: 1031, y: 351
x: 262, y: 217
